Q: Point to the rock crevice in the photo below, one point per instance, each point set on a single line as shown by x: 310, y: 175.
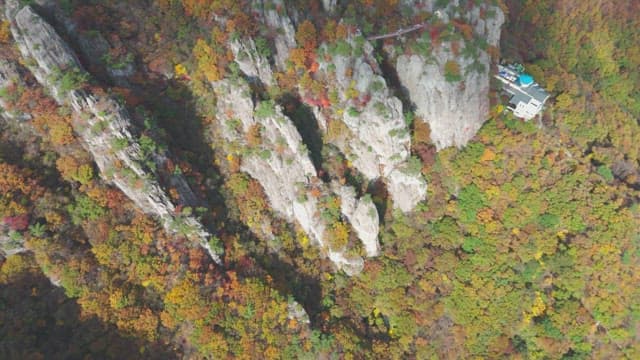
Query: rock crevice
x: 279, y: 161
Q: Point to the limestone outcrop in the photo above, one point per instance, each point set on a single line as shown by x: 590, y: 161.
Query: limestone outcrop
x: 455, y: 110
x: 363, y: 216
x: 279, y: 161
x: 9, y: 81
x: 251, y: 62
x: 284, y: 39
x: 102, y: 123
x: 377, y: 140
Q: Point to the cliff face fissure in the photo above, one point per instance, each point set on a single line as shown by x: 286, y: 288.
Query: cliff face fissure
x: 101, y: 122
x: 278, y: 160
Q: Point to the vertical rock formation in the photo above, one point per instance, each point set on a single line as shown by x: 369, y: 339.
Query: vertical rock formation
x: 274, y: 15
x: 454, y: 110
x: 250, y: 61
x: 278, y: 160
x: 9, y: 81
x: 363, y: 216
x: 101, y: 122
x: 377, y: 140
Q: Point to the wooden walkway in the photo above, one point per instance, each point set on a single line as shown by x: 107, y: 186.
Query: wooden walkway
x: 398, y: 32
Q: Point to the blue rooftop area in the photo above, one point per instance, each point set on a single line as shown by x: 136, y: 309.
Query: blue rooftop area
x: 525, y: 79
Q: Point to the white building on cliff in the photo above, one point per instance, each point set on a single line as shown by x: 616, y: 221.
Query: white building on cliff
x: 527, y: 97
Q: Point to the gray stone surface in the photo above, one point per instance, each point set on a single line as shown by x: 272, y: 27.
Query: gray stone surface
x: 9, y: 79
x: 38, y: 41
x: 454, y: 110
x: 251, y: 62
x: 280, y: 163
x: 101, y: 121
x: 363, y: 216
x: 10, y: 244
x: 379, y: 140
x: 329, y: 5
x: 285, y: 37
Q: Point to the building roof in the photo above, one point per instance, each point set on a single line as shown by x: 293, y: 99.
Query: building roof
x: 519, y: 97
x: 525, y: 79
x: 537, y: 92
x: 521, y: 92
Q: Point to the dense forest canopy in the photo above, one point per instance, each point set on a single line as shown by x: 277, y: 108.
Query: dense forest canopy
x: 527, y: 245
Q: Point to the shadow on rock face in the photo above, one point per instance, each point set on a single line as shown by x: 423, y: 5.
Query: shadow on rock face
x: 307, y: 126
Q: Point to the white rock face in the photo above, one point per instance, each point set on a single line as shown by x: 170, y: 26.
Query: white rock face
x: 297, y: 312
x: 454, y: 110
x: 363, y: 216
x: 379, y: 143
x: 10, y: 245
x: 8, y: 74
x: 37, y: 40
x: 329, y: 5
x: 251, y: 62
x: 101, y: 122
x: 9, y: 77
x: 280, y: 163
x: 406, y: 189
x: 285, y: 38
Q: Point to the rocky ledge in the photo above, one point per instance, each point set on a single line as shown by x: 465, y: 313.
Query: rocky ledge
x: 272, y: 152
x: 450, y: 87
x: 102, y: 123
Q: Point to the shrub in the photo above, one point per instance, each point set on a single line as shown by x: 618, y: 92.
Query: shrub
x: 262, y: 46
x: 376, y: 86
x: 353, y: 112
x: 83, y: 209
x: 71, y: 79
x: 452, y: 71
x: 4, y: 32
x: 409, y: 118
x: 605, y: 172
x: 119, y: 144
x: 265, y: 109
x: 342, y: 48
x: 84, y: 174
x: 414, y: 166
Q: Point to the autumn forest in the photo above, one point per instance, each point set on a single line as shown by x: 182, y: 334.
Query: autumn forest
x: 525, y: 246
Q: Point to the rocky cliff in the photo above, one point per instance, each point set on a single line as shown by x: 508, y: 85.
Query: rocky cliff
x: 450, y: 86
x: 376, y: 140
x: 102, y: 123
x: 271, y: 151
x: 9, y: 81
x: 273, y: 14
x: 443, y: 69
